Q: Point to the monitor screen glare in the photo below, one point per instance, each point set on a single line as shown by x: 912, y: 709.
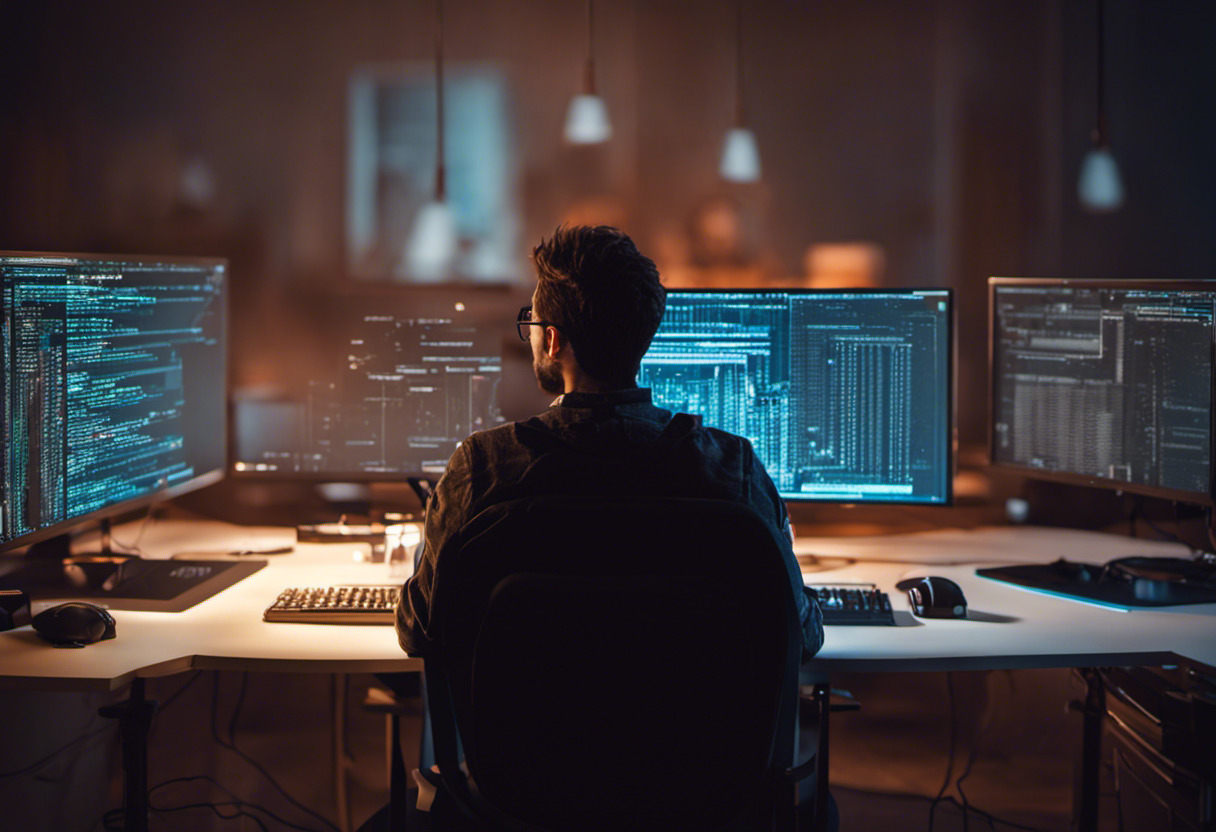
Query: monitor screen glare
x: 845, y: 395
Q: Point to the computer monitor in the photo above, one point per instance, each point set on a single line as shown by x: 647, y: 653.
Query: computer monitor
x: 114, y: 383
x: 846, y: 395
x: 396, y: 381
x: 1104, y: 383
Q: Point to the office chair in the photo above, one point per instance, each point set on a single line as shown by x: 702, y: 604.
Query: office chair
x: 609, y: 664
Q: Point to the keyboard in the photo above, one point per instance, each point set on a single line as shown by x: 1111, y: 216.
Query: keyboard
x: 373, y: 604
x: 854, y: 605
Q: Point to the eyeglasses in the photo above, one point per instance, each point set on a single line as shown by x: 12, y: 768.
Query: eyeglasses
x: 524, y: 318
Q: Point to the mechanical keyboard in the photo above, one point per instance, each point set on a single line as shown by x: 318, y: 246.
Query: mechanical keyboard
x: 372, y: 604
x: 854, y: 604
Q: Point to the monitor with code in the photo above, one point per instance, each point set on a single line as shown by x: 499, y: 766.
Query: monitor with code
x: 398, y: 382
x: 846, y: 395
x: 113, y: 380
x: 1105, y: 383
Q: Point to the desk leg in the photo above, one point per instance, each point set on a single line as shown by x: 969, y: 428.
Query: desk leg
x: 134, y: 721
x: 1093, y: 711
x: 823, y: 705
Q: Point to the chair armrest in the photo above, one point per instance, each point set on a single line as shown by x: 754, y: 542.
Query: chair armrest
x: 799, y: 772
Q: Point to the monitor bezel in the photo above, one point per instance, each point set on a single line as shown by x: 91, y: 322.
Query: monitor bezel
x: 488, y: 302
x: 951, y: 438
x: 1071, y: 478
x: 195, y: 483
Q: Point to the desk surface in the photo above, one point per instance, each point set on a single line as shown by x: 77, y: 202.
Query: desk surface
x: 1007, y: 627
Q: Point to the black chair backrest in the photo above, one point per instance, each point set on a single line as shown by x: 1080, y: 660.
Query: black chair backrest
x: 617, y: 663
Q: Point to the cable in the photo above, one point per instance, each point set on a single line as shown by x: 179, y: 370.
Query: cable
x: 950, y: 758
x: 230, y: 744
x: 132, y: 548
x: 988, y: 816
x: 235, y: 800
x: 49, y: 757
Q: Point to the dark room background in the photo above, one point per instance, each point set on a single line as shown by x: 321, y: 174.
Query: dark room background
x: 941, y: 137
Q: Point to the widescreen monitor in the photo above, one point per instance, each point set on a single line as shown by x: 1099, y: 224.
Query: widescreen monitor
x: 846, y: 395
x: 113, y: 383
x: 395, y: 381
x: 1104, y: 383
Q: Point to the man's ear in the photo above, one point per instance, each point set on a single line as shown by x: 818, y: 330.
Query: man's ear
x: 555, y: 342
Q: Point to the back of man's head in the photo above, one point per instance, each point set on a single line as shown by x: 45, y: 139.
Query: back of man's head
x: 604, y: 295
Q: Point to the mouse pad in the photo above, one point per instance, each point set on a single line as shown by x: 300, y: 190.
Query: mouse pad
x: 1084, y: 582
x: 135, y: 584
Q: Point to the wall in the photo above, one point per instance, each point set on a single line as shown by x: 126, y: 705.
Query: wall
x: 947, y: 132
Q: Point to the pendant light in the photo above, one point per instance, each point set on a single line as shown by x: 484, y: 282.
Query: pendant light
x: 1100, y: 188
x: 740, y: 156
x: 587, y: 117
x: 432, y: 244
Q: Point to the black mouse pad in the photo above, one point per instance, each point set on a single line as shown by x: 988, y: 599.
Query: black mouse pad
x: 136, y: 584
x: 1085, y: 582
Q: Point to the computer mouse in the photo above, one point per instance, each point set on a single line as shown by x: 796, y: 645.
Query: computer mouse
x: 934, y: 597
x: 74, y: 624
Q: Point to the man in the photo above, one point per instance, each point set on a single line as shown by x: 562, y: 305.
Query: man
x: 597, y: 304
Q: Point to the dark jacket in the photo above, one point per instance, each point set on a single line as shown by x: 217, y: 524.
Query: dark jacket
x: 586, y: 444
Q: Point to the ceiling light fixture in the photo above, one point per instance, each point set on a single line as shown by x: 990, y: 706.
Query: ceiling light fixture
x: 433, y: 242
x: 740, y: 156
x: 1100, y: 187
x: 587, y: 116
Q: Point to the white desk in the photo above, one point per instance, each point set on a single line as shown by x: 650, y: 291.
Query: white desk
x: 225, y: 632
x: 1007, y: 627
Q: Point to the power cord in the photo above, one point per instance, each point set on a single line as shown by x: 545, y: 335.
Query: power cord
x: 987, y: 816
x: 242, y: 806
x: 230, y: 744
x: 5, y: 775
x: 950, y: 757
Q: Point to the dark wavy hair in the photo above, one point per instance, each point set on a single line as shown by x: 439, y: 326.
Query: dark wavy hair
x: 605, y: 296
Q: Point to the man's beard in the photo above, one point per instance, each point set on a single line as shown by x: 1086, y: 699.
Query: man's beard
x: 548, y: 375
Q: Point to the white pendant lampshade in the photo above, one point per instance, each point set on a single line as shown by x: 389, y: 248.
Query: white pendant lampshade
x: 432, y: 243
x: 1100, y: 188
x: 587, y: 120
x: 587, y: 116
x: 740, y: 156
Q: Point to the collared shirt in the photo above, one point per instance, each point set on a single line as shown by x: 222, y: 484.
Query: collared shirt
x: 589, y: 444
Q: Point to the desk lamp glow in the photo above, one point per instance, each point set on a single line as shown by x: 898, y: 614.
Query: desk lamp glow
x: 587, y: 116
x: 432, y: 243
x: 740, y: 156
x: 1100, y: 187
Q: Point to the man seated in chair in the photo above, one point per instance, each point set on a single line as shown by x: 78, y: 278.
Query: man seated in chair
x: 597, y: 304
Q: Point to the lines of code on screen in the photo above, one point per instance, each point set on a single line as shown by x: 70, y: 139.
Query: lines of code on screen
x: 845, y: 396
x: 1113, y: 383
x: 113, y: 383
x: 396, y: 394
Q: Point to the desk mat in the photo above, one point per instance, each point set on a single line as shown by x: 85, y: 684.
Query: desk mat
x: 132, y: 584
x: 1086, y: 582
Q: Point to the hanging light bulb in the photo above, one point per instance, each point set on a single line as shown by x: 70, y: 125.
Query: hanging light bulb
x: 432, y: 244
x: 740, y: 155
x: 1100, y: 187
x: 587, y: 116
